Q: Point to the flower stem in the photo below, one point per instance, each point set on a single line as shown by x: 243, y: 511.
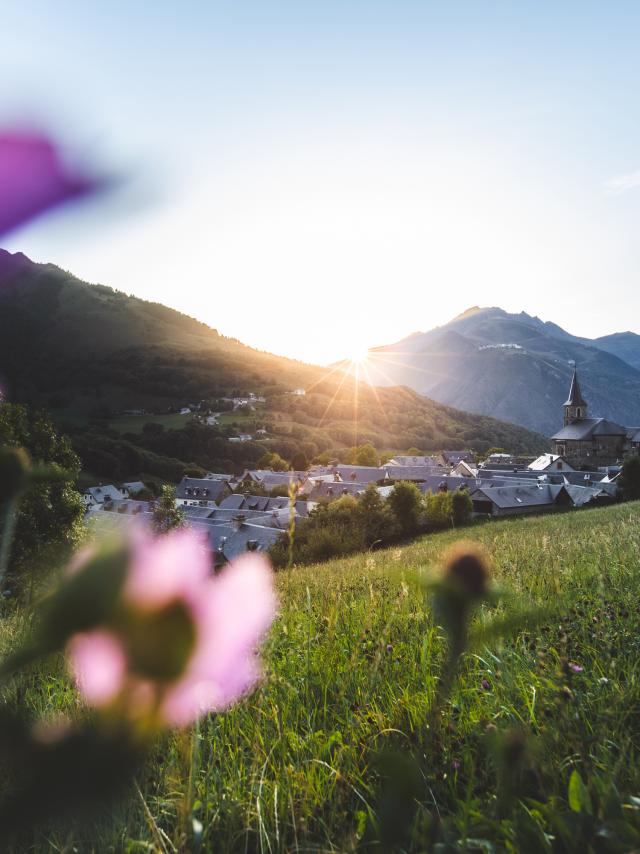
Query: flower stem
x: 6, y: 537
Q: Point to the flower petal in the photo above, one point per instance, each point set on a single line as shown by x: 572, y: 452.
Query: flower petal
x: 173, y: 566
x: 99, y: 664
x: 33, y: 178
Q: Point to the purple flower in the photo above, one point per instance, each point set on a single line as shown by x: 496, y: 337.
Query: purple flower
x: 456, y: 765
x: 34, y: 178
x: 180, y: 642
x: 576, y: 668
x: 485, y: 685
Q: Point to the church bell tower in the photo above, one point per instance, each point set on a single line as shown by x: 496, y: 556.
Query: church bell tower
x: 575, y: 406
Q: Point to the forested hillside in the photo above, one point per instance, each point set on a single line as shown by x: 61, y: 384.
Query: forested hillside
x: 88, y: 352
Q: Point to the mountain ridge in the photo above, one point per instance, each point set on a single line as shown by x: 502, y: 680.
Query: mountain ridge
x: 515, y: 367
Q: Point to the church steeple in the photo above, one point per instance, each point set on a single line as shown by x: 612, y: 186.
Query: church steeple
x: 575, y: 406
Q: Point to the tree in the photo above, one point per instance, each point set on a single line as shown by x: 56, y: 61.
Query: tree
x: 629, y: 480
x: 406, y: 505
x: 377, y: 521
x: 299, y: 461
x: 50, y: 512
x: 273, y: 461
x: 363, y: 455
x: 461, y: 507
x: 439, y: 509
x: 167, y: 516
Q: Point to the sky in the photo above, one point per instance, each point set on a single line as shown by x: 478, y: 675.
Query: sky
x: 316, y: 178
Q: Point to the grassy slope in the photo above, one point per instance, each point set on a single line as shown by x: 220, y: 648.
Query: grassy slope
x: 292, y: 766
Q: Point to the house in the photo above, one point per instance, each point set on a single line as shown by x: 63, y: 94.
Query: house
x: 241, y: 437
x: 201, y: 490
x: 464, y: 469
x: 518, y: 500
x: 97, y: 495
x: 550, y: 462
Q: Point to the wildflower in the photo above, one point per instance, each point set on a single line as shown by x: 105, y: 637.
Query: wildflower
x: 177, y: 642
x: 389, y: 647
x: 33, y: 178
x: 485, y: 685
x: 576, y: 668
x: 456, y: 765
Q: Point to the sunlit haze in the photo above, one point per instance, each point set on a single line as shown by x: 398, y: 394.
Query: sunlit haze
x: 317, y: 179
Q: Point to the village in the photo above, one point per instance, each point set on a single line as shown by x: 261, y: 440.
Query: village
x: 252, y: 511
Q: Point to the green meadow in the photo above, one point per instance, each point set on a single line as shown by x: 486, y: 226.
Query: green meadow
x: 345, y: 745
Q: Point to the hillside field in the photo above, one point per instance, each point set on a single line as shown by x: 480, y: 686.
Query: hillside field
x: 352, y: 666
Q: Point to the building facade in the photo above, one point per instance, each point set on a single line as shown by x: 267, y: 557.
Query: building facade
x: 586, y: 442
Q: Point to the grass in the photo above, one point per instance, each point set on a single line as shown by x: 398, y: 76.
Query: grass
x: 352, y: 667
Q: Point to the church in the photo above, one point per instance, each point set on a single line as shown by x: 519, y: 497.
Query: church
x: 591, y: 442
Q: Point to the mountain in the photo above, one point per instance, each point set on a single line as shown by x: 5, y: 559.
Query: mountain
x: 87, y: 352
x: 624, y: 345
x: 514, y: 367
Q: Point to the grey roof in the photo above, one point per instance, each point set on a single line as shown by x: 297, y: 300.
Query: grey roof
x: 581, y: 495
x: 575, y: 395
x: 418, y: 472
x: 324, y: 489
x: 361, y: 474
x: 202, y: 489
x: 633, y: 434
x: 231, y: 542
x: 454, y: 457
x: 232, y: 502
x: 134, y: 486
x: 587, y: 428
x: 193, y: 512
x: 104, y: 493
x: 404, y: 460
x: 506, y: 497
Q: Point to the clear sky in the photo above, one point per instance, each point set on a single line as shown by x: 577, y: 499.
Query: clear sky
x: 318, y: 177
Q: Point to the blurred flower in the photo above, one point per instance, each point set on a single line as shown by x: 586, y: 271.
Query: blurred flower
x: 178, y: 642
x: 485, y: 685
x: 576, y: 668
x: 467, y: 565
x: 34, y: 178
x: 456, y: 765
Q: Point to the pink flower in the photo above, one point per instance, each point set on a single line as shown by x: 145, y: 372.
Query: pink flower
x: 100, y: 665
x: 34, y: 178
x: 181, y: 642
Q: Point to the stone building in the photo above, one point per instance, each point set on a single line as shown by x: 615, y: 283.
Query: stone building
x: 589, y: 442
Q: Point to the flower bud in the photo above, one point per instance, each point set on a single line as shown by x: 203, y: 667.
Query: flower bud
x: 468, y: 567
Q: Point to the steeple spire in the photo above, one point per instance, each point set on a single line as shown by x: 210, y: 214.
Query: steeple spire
x: 575, y: 406
x: 575, y: 395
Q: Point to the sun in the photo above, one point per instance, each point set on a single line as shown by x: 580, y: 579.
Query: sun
x: 358, y: 355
